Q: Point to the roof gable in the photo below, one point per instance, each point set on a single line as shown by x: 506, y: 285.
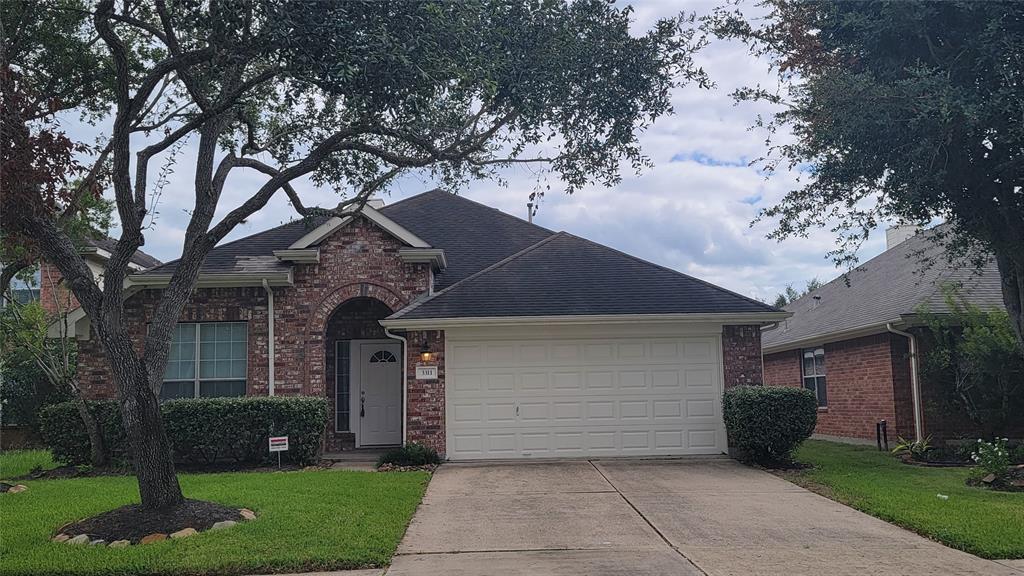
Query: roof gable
x: 331, y: 225
x: 884, y: 289
x: 564, y: 275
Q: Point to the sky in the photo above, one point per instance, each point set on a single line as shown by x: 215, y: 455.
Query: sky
x: 692, y: 211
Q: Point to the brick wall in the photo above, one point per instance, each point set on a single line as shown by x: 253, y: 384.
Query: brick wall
x: 54, y: 296
x: 426, y: 414
x: 861, y: 374
x: 741, y: 355
x: 360, y: 260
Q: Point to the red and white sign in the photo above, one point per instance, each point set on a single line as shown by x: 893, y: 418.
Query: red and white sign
x: 278, y: 443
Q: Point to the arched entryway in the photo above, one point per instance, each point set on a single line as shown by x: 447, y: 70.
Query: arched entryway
x: 363, y: 377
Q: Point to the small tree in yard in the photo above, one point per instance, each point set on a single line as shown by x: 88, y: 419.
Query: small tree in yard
x: 905, y: 110
x: 351, y: 94
x: 976, y: 364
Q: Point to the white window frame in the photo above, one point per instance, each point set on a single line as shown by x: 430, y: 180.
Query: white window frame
x: 814, y: 378
x: 196, y: 379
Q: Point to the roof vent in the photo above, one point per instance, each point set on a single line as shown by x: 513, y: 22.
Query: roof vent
x: 896, y: 235
x: 375, y: 202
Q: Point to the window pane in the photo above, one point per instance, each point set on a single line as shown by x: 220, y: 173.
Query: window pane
x: 219, y: 388
x: 181, y: 353
x: 822, y: 392
x: 808, y: 364
x: 222, y: 350
x: 809, y: 384
x: 172, y: 390
x: 819, y: 362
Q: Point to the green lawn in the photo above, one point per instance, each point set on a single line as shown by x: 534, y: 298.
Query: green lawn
x: 15, y: 463
x: 975, y: 520
x: 307, y: 521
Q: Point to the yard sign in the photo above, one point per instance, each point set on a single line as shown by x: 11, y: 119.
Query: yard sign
x: 278, y: 444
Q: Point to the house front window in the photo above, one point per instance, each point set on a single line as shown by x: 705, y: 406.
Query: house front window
x: 814, y: 374
x: 206, y: 359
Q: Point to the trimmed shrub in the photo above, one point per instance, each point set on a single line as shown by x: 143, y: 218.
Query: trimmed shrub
x: 412, y: 454
x: 64, y: 433
x: 202, y: 430
x: 766, y: 423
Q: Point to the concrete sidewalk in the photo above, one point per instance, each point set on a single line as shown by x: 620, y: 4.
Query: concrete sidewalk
x: 707, y: 516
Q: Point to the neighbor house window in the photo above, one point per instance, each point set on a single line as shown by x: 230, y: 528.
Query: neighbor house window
x: 814, y: 374
x: 206, y: 359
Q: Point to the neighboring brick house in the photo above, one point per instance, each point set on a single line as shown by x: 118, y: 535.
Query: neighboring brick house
x: 442, y: 321
x: 55, y: 298
x: 850, y: 341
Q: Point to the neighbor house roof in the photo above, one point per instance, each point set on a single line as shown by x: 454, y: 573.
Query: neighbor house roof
x: 889, y: 288
x: 564, y: 275
x: 108, y: 245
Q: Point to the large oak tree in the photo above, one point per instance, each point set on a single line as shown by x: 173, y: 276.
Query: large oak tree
x: 350, y: 94
x: 901, y: 110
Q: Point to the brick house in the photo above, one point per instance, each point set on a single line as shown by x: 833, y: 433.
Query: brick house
x: 442, y: 321
x: 857, y: 342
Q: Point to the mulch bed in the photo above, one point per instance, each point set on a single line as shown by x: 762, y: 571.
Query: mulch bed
x: 134, y: 522
x: 63, y: 472
x: 397, y: 468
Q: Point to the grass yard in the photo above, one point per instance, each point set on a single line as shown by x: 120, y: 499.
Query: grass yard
x: 308, y: 521
x: 15, y: 463
x: 985, y: 523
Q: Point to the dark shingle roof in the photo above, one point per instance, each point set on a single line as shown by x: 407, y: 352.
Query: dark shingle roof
x: 893, y: 284
x: 565, y: 275
x: 242, y: 254
x: 473, y: 236
x: 109, y: 244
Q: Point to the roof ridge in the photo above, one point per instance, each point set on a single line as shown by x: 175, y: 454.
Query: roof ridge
x: 479, y: 273
x: 673, y: 271
x: 474, y: 202
x: 407, y: 198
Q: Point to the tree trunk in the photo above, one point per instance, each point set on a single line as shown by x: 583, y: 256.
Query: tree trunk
x: 98, y: 449
x: 1011, y: 274
x: 150, y: 448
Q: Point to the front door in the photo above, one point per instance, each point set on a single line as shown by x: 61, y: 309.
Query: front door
x: 380, y: 393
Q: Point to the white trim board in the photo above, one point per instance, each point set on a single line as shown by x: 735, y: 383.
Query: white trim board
x: 324, y: 230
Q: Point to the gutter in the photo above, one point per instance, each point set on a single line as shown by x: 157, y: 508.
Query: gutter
x: 405, y: 375
x: 915, y: 385
x: 724, y: 318
x: 270, y: 337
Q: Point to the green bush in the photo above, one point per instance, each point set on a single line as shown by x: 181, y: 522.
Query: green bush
x: 412, y: 454
x: 64, y: 433
x: 766, y: 423
x: 201, y: 430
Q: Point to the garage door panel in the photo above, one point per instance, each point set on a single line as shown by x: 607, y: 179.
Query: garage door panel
x: 564, y: 397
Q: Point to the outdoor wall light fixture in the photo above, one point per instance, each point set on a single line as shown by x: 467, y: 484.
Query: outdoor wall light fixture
x: 425, y: 354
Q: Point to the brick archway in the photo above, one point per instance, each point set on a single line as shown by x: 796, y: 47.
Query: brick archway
x: 316, y: 327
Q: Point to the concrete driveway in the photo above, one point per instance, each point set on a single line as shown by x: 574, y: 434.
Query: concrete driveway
x: 657, y: 517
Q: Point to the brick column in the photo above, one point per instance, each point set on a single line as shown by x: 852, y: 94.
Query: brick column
x: 425, y: 398
x: 741, y: 355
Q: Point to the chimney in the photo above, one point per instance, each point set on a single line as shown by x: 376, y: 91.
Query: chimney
x: 529, y: 211
x: 375, y: 202
x: 895, y: 235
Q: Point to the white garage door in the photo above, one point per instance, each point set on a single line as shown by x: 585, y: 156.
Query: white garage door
x: 564, y: 397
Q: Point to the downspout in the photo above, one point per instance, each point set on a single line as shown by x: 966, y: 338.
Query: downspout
x: 270, y: 337
x: 405, y: 375
x: 915, y: 387
x: 771, y: 326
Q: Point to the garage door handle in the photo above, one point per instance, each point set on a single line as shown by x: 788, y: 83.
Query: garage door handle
x: 517, y: 410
